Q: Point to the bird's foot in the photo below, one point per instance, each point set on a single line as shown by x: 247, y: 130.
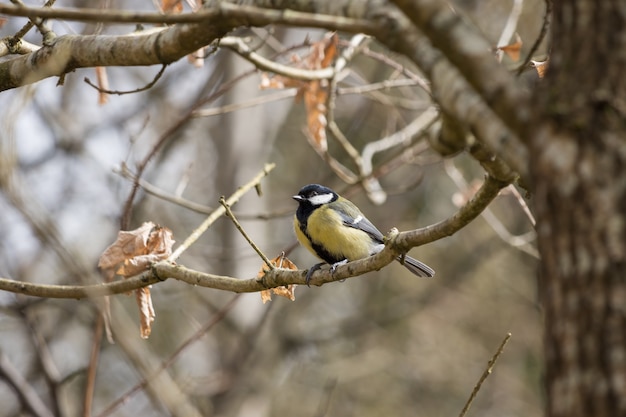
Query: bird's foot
x: 334, y: 266
x: 310, y: 272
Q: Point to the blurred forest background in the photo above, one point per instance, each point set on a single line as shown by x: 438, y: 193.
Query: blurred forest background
x: 384, y: 344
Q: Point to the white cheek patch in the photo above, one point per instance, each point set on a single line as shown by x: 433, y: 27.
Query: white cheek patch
x: 320, y: 199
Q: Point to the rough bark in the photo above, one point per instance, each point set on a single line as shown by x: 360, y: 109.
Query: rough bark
x: 578, y: 163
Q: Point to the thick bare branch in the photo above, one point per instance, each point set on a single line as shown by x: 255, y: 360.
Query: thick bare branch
x: 470, y: 52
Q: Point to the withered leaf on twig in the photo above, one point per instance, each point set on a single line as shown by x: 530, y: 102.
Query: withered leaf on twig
x: 132, y: 253
x: 283, y: 262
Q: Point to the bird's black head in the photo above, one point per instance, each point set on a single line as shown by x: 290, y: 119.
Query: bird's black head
x: 315, y: 195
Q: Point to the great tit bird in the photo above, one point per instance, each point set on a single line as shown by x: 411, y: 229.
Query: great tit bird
x: 334, y: 229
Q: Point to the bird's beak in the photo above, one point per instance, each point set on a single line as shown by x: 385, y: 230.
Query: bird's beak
x: 298, y: 198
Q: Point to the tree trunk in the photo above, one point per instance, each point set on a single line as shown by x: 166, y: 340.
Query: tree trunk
x: 579, y: 174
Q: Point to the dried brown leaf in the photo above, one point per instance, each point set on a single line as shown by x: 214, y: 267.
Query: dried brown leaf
x: 146, y: 311
x: 172, y: 6
x: 315, y: 93
x: 513, y: 50
x: 282, y: 262
x: 315, y: 103
x: 134, y: 250
x: 322, y: 53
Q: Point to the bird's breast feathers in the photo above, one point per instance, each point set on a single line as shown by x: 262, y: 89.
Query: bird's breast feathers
x: 326, y: 228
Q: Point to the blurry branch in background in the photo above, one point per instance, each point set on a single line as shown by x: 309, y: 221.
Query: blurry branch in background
x: 393, y: 29
x: 398, y: 243
x: 521, y: 242
x: 239, y: 46
x: 458, y: 40
x: 415, y: 128
x: 219, y: 11
x: 219, y: 211
x: 189, y: 204
x: 540, y: 38
x: 168, y: 134
x: 148, y: 86
x: 217, y: 317
x: 485, y: 374
x: 509, y: 28
x: 27, y: 393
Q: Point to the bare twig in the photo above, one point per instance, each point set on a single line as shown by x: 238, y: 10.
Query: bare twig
x: 34, y: 21
x: 137, y: 90
x: 238, y: 45
x: 397, y: 244
x: 263, y: 99
x: 418, y: 125
x: 230, y: 215
x: 485, y: 374
x: 90, y: 384
x: 542, y: 35
x: 221, y: 10
x: 219, y: 211
x: 163, y: 139
x: 192, y: 205
x: 522, y: 242
x: 522, y: 204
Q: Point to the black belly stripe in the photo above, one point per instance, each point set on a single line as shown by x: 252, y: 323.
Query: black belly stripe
x: 319, y: 249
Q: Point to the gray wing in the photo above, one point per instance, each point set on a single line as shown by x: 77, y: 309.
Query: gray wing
x: 362, y: 223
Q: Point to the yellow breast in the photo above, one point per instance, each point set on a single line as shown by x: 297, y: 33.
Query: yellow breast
x: 326, y: 230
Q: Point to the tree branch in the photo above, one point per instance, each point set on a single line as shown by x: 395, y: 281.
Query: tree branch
x: 470, y: 52
x: 374, y: 17
x: 398, y: 243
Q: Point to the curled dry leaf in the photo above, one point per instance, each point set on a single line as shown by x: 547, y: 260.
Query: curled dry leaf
x: 146, y: 311
x: 135, y: 250
x: 286, y: 291
x: 132, y: 253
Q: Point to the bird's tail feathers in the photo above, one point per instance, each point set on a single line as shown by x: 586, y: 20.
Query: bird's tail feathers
x: 416, y: 267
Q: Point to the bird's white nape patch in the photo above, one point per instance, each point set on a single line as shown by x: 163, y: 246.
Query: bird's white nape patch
x: 357, y: 219
x: 320, y: 199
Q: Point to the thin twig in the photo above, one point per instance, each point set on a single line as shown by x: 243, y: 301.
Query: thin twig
x: 137, y: 90
x: 277, y: 277
x: 485, y: 374
x: 256, y: 101
x: 32, y: 22
x: 254, y: 15
x: 239, y: 46
x: 230, y: 214
x: 542, y: 35
x: 355, y: 44
x: 219, y: 211
x: 189, y: 204
x: 522, y: 203
x: 92, y: 369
